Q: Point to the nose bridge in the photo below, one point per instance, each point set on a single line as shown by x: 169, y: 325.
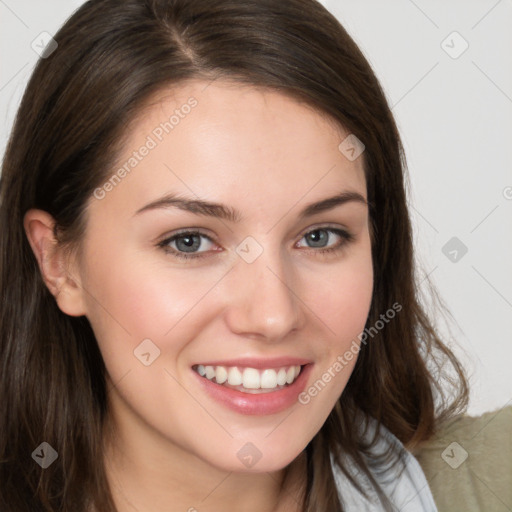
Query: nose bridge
x: 264, y: 302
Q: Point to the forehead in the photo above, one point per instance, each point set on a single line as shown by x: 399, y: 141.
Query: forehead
x: 233, y: 143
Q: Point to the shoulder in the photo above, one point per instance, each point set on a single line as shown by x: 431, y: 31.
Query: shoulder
x: 403, y: 482
x: 469, y: 461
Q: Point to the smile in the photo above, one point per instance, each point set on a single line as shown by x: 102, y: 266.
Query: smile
x: 250, y: 380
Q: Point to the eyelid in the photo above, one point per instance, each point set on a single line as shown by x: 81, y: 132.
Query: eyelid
x: 185, y: 231
x: 327, y: 226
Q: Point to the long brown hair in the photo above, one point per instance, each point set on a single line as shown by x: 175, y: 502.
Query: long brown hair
x: 112, y: 56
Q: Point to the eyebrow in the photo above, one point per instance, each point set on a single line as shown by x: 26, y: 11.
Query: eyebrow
x: 230, y: 214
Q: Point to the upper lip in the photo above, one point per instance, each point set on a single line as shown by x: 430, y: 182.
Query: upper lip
x: 259, y: 363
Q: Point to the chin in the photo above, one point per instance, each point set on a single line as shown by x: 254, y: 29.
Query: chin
x: 248, y: 458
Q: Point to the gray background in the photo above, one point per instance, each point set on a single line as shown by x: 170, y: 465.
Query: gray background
x: 454, y: 112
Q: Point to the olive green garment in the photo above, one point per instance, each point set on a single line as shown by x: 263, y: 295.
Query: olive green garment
x: 468, y: 464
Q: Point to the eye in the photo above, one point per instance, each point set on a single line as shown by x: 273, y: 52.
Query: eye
x: 187, y: 244
x: 323, y: 237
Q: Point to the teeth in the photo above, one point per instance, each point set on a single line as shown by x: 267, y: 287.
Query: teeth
x: 281, y: 377
x: 290, y: 375
x: 221, y: 375
x: 268, y: 379
x: 210, y: 372
x: 234, y: 376
x: 250, y: 378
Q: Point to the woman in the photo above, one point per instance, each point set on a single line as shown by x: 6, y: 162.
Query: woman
x: 207, y: 271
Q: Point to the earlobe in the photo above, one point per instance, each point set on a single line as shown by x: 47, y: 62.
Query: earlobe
x: 53, y: 263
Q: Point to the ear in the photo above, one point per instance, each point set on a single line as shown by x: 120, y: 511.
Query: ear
x: 56, y: 270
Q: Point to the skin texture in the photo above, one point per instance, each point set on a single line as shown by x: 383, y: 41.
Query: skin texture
x: 268, y: 156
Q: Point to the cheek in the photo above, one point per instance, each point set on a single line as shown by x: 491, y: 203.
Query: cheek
x: 342, y: 297
x: 342, y: 305
x: 137, y: 298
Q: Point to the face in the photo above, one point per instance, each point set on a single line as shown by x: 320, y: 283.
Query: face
x: 206, y: 314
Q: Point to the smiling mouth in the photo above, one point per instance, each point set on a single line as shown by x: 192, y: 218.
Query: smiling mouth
x: 250, y: 380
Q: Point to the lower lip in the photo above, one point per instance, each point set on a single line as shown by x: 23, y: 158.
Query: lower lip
x: 257, y: 404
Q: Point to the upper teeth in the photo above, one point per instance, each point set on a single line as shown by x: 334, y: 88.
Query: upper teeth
x: 250, y: 378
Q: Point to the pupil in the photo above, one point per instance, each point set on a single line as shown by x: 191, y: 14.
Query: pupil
x: 188, y: 242
x: 318, y: 238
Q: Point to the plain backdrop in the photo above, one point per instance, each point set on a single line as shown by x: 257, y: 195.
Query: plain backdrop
x: 446, y: 69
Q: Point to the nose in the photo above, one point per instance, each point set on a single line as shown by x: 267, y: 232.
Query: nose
x: 264, y: 300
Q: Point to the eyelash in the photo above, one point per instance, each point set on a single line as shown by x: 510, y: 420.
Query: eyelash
x: 346, y: 238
